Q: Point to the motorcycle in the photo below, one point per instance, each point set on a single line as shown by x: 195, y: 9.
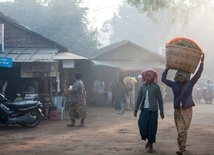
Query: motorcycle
x: 26, y: 113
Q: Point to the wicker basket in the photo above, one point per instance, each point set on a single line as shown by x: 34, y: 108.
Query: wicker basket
x: 181, y: 58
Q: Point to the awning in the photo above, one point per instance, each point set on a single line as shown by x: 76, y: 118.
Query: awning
x: 30, y: 54
x: 131, y: 64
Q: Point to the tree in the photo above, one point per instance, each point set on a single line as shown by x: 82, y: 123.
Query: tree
x: 175, y: 11
x: 63, y: 21
x: 129, y: 24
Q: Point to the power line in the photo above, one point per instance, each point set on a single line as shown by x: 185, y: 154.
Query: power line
x: 105, y: 7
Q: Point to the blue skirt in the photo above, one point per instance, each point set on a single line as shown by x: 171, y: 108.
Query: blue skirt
x: 148, y: 123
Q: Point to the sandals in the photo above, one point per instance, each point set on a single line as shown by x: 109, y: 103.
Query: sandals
x: 70, y: 125
x: 180, y: 152
x: 150, y: 150
x: 147, y: 146
x: 81, y: 125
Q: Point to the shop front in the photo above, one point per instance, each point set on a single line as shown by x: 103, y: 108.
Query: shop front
x: 29, y: 80
x: 39, y: 67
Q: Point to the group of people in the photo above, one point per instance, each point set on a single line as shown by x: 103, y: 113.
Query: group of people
x: 120, y: 94
x: 123, y: 90
x: 149, y: 100
x: 205, y: 92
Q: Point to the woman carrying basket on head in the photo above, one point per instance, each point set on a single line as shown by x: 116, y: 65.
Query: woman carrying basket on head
x: 182, y: 88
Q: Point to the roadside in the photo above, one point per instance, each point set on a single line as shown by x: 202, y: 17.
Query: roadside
x: 106, y: 133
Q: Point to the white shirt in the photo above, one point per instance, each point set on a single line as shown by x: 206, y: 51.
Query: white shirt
x: 146, y: 102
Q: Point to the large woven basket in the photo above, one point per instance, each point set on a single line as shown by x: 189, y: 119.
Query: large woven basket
x: 182, y: 58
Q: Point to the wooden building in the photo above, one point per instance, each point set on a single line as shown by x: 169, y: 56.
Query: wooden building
x: 126, y: 56
x: 39, y: 65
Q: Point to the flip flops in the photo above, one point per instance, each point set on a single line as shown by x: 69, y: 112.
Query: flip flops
x: 180, y: 152
x: 81, y: 125
x: 147, y: 146
x: 150, y: 150
x: 70, y: 125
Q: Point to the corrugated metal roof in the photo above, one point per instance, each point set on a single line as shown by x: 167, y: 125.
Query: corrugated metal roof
x: 127, y: 55
x: 124, y: 47
x: 30, y: 54
x: 108, y: 48
x: 68, y: 56
x: 131, y: 64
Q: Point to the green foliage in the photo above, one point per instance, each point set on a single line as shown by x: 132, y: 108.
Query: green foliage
x: 129, y: 24
x: 63, y: 21
x: 186, y: 43
x: 175, y: 11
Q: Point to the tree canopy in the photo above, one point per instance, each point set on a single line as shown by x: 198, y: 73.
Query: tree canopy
x: 138, y: 27
x: 62, y: 21
x: 129, y: 24
x: 175, y: 11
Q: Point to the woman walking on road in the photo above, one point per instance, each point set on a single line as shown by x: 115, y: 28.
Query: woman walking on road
x: 182, y: 88
x: 150, y: 97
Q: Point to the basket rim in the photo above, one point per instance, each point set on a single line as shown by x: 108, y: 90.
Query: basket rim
x: 184, y: 48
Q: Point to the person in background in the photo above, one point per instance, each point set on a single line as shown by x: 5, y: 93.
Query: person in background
x: 209, y: 92
x: 109, y: 97
x: 99, y: 87
x: 182, y: 88
x: 149, y: 99
x: 78, y: 102
x: 120, y: 91
x: 197, y: 93
x: 130, y: 83
x: 112, y: 86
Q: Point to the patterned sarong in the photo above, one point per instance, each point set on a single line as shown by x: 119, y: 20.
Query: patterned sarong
x: 183, y: 119
x: 77, y: 111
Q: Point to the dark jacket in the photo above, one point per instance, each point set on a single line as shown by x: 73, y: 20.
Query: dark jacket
x: 185, y: 95
x: 155, y: 97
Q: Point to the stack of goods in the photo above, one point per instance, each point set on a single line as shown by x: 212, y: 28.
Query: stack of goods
x: 183, y: 54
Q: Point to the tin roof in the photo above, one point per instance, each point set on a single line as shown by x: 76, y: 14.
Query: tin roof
x: 131, y: 65
x: 127, y: 55
x: 29, y: 54
x: 68, y: 56
x: 38, y: 55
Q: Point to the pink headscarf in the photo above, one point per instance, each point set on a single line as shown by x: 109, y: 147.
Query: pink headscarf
x: 152, y: 73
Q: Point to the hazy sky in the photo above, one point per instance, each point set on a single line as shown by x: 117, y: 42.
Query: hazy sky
x: 101, y: 10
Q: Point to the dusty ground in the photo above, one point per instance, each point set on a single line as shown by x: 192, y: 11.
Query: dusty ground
x: 108, y: 133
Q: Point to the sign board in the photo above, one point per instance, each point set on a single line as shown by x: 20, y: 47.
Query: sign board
x: 1, y: 37
x: 6, y: 62
x: 37, y: 69
x: 68, y: 64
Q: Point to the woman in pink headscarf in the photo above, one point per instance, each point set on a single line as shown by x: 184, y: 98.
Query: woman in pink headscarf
x: 149, y: 100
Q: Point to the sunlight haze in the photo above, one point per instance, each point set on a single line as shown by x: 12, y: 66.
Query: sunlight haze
x: 101, y: 10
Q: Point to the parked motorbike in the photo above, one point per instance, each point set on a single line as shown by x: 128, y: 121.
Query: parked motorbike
x: 26, y: 113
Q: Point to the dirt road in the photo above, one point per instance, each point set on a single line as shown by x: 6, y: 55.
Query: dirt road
x: 108, y: 133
